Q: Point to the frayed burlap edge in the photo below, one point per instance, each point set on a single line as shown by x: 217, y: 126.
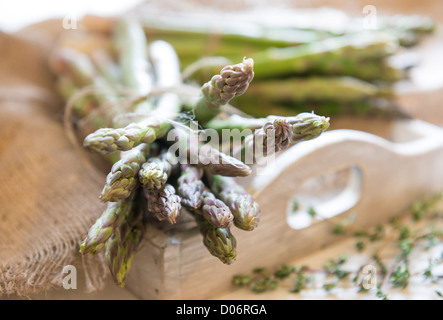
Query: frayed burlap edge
x: 39, y: 273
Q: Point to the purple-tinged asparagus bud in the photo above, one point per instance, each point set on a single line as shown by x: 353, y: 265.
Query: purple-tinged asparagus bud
x: 215, y: 211
x: 232, y: 81
x: 164, y: 203
x: 190, y: 187
x: 243, y: 206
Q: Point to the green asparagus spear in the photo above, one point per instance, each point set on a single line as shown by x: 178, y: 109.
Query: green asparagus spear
x: 155, y: 172
x: 191, y: 35
x: 308, y: 126
x: 132, y: 219
x: 166, y: 67
x: 236, y: 121
x: 108, y: 140
x: 345, y: 55
x: 164, y: 203
x: 76, y: 71
x: 360, y: 55
x: 208, y: 157
x: 313, y: 89
x: 274, y: 136
x: 217, y: 162
x: 278, y: 133
x: 76, y: 66
x: 215, y: 211
x: 120, y: 229
x: 104, y: 227
x: 373, y: 107
x: 239, y: 122
x: 106, y: 66
x: 190, y: 187
x: 131, y: 45
x: 243, y: 206
x: 174, y: 28
x: 121, y: 254
x: 232, y: 81
x: 122, y: 181
x: 220, y: 242
x: 136, y: 70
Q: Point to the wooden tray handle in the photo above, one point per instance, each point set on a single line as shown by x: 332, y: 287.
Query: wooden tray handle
x: 393, y: 174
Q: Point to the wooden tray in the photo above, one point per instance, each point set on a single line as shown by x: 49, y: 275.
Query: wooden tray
x: 378, y: 178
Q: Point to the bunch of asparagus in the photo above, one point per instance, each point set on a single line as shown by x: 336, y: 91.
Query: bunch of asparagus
x: 335, y: 70
x: 132, y: 97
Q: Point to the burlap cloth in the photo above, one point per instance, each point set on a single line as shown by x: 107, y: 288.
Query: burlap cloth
x: 47, y: 198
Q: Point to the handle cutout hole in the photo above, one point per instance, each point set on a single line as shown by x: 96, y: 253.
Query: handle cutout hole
x: 325, y: 197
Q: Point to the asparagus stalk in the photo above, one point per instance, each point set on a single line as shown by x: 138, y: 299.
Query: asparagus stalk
x: 238, y: 32
x: 236, y: 121
x: 122, y: 181
x: 307, y: 126
x: 242, y: 35
x: 76, y: 71
x: 217, y: 162
x: 239, y: 122
x: 166, y: 66
x: 106, y: 65
x: 131, y: 45
x: 220, y: 242
x: 215, y: 211
x: 191, y: 48
x: 120, y: 229
x: 278, y: 133
x: 274, y: 136
x: 155, y: 172
x: 341, y: 89
x: 208, y: 157
x: 164, y: 203
x: 190, y: 187
x: 108, y: 140
x: 104, y: 227
x: 121, y: 254
x: 320, y: 58
x: 381, y: 107
x: 134, y: 219
x: 232, y: 81
x: 243, y: 206
x: 137, y: 74
x: 191, y: 34
x: 345, y: 55
x: 117, y: 220
x: 85, y: 104
x: 75, y: 65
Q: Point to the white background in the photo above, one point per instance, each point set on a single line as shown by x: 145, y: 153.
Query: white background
x: 15, y: 14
